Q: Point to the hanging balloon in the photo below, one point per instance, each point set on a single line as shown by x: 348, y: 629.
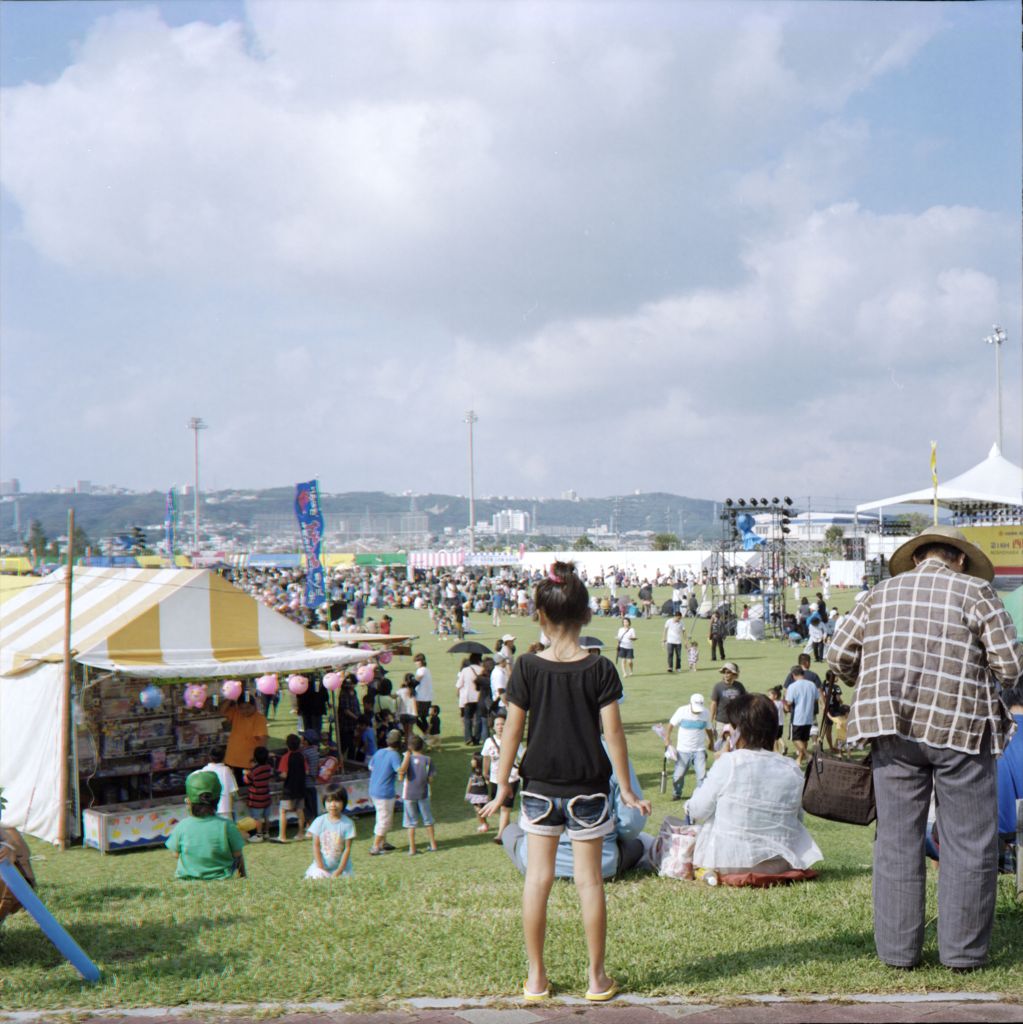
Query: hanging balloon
x: 267, y: 685
x: 365, y: 647
x: 232, y: 689
x: 298, y: 684
x: 332, y: 681
x: 365, y: 673
x: 195, y: 695
x: 385, y: 658
x: 151, y: 697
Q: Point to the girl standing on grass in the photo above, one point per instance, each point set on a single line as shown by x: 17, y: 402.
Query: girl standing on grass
x: 693, y: 655
x: 626, y: 646
x: 568, y: 694
x: 477, y: 792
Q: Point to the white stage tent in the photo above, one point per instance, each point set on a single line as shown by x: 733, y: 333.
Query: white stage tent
x: 994, y: 482
x: 150, y: 623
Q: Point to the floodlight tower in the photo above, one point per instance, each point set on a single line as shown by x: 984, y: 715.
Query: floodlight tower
x: 471, y: 418
x: 195, y: 424
x: 997, y: 337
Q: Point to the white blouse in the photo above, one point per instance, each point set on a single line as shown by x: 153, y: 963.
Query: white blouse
x: 750, y: 807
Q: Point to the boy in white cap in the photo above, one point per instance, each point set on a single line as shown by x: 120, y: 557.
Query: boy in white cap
x: 695, y: 735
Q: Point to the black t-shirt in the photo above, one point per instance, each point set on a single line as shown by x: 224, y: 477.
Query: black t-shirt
x: 563, y: 700
x: 724, y: 694
x: 807, y: 674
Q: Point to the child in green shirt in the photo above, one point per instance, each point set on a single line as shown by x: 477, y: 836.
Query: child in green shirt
x: 206, y: 846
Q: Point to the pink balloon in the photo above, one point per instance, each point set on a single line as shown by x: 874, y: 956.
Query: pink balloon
x: 232, y: 689
x: 267, y: 685
x: 195, y: 695
x: 298, y: 684
x: 365, y: 647
x: 365, y: 673
x: 385, y: 658
x: 332, y: 681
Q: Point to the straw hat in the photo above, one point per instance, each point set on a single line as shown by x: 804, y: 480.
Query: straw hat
x: 977, y: 563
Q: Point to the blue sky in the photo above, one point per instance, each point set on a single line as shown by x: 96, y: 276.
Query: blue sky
x: 695, y: 247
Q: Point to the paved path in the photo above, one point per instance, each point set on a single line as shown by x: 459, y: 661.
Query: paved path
x: 749, y: 1010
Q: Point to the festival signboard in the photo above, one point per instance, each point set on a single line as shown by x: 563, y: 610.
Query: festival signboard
x: 1002, y: 544
x: 310, y: 527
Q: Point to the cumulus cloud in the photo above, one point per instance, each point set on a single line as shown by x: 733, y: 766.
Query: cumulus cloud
x: 630, y: 230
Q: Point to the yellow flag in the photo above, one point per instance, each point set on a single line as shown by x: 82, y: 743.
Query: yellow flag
x: 934, y: 477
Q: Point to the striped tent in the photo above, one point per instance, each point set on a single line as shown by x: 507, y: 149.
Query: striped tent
x: 435, y: 559
x: 161, y: 624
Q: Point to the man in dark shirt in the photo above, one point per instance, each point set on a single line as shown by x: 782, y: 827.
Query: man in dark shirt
x: 804, y: 664
x: 724, y: 692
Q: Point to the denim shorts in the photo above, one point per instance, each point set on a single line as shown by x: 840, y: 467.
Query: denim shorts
x: 583, y: 817
x: 416, y: 812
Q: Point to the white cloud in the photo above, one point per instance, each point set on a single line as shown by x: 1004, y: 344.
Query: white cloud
x: 632, y: 236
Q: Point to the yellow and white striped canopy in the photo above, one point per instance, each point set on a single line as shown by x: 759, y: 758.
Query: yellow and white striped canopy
x: 163, y: 623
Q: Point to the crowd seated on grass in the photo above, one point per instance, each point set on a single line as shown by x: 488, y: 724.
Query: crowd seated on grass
x: 354, y: 593
x: 749, y: 805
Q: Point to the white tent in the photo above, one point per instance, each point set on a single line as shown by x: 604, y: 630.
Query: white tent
x: 994, y: 482
x: 168, y: 623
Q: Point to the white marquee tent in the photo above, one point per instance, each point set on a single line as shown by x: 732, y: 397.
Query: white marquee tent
x: 994, y: 482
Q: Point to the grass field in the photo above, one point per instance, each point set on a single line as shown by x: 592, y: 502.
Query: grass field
x: 448, y: 925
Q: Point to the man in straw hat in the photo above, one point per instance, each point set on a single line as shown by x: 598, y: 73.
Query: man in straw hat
x: 926, y: 651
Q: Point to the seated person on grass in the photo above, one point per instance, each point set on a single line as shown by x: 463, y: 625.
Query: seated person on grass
x: 206, y: 846
x: 626, y: 848
x: 750, y: 804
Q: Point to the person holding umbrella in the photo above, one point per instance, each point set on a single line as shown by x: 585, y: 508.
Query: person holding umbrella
x: 469, y: 695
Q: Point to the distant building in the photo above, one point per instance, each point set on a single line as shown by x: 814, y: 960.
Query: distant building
x: 9, y: 487
x: 510, y: 520
x: 83, y: 487
x: 569, y: 496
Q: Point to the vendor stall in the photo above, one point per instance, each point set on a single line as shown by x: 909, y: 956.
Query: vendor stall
x: 133, y: 632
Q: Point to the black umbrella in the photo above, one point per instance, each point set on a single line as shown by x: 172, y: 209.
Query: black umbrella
x: 469, y: 647
x: 590, y: 642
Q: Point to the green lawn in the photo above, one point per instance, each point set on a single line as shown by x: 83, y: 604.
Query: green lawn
x: 448, y: 925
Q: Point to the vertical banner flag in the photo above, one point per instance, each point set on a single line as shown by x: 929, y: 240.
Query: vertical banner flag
x: 310, y: 526
x: 934, y: 477
x: 170, y: 515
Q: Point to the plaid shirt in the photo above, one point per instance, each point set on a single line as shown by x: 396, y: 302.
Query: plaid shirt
x: 926, y: 650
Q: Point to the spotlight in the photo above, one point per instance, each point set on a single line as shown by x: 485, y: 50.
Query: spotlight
x: 742, y: 503
x: 728, y: 502
x: 775, y: 501
x: 753, y: 502
x: 788, y: 500
x: 763, y: 501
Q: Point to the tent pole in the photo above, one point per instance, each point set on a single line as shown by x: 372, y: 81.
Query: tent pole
x: 65, y: 698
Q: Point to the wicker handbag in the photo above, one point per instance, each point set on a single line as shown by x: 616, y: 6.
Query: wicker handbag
x: 839, y: 789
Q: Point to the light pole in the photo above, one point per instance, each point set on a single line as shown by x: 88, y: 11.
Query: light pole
x: 996, y: 338
x: 195, y: 424
x: 471, y: 418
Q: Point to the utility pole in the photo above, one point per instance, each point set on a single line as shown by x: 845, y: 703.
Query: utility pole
x: 195, y: 424
x: 471, y: 418
x: 996, y: 338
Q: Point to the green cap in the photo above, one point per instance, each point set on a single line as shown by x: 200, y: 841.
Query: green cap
x: 202, y: 784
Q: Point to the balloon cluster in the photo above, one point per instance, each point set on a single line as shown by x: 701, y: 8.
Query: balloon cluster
x: 332, y: 681
x: 298, y: 684
x: 195, y: 695
x: 151, y: 697
x: 267, y: 685
x: 365, y: 673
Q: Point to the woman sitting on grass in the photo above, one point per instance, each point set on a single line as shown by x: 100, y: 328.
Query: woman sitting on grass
x: 750, y: 802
